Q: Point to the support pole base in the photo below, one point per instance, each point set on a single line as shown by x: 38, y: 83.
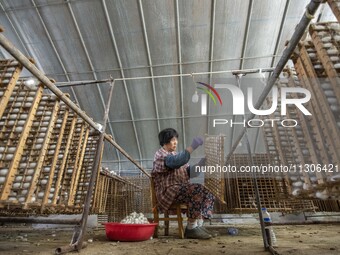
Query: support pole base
x: 68, y: 248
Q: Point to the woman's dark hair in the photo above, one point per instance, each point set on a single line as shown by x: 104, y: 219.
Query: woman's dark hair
x: 166, y: 135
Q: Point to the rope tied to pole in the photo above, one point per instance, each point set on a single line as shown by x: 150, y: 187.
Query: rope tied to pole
x: 308, y: 14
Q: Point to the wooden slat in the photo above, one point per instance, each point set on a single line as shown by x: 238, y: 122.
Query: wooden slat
x: 321, y: 107
x: 318, y: 133
x: 326, y: 61
x: 98, y: 172
x: 64, y: 160
x: 20, y: 147
x: 54, y: 160
x: 9, y: 88
x: 86, y: 171
x: 79, y: 162
x: 42, y: 154
x: 283, y: 157
x: 334, y: 4
x: 306, y: 132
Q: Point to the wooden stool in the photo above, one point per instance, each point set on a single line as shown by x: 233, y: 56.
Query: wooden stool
x: 177, y: 207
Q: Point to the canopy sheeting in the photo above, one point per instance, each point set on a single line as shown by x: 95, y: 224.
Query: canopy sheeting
x: 163, y: 42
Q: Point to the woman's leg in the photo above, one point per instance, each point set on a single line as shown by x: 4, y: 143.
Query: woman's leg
x: 200, y: 204
x: 199, y: 200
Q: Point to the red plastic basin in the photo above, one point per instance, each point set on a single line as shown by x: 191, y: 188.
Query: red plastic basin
x: 116, y: 231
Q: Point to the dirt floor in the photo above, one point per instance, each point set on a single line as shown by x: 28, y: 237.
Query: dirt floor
x: 303, y: 239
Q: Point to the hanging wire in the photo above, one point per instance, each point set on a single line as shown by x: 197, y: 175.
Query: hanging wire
x: 244, y: 71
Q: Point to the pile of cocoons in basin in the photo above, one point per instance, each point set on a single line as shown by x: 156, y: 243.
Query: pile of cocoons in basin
x: 135, y: 218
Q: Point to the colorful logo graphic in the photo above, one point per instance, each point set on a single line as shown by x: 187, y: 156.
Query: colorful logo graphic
x: 208, y: 91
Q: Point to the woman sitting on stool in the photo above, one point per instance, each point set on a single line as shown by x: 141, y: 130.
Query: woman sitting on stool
x: 171, y: 175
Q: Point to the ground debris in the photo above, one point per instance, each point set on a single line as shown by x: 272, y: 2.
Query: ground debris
x: 291, y: 241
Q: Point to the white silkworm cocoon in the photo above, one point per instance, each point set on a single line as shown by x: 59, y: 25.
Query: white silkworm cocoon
x: 135, y: 218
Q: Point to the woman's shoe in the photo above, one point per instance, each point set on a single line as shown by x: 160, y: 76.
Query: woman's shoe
x: 196, y: 233
x: 213, y: 234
